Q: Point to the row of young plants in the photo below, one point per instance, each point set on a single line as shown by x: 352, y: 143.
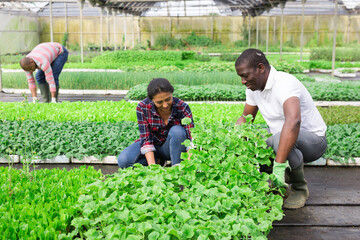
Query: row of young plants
x: 218, y: 194
x: 126, y: 80
x: 109, y: 136
x: 320, y: 91
x: 113, y: 112
x: 46, y: 139
x: 190, y: 61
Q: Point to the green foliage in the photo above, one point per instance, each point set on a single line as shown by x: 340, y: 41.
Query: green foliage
x: 241, y: 43
x: 228, y: 57
x: 166, y: 41
x: 288, y: 67
x: 342, y: 54
x: 347, y: 70
x: 74, y: 47
x: 47, y: 139
x: 213, y: 92
x: 320, y: 91
x: 103, y: 111
x: 195, y: 40
x: 343, y: 142
x: 328, y: 65
x: 188, y: 55
x: 343, y: 91
x: 38, y: 205
x: 219, y: 194
x: 319, y: 65
x: 314, y: 42
x: 11, y: 59
x: 203, y: 58
x: 65, y: 39
x: 119, y: 57
x: 340, y: 114
x: 304, y: 78
x: 125, y: 111
x: 210, y: 67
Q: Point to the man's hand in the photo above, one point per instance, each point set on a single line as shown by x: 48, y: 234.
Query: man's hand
x: 35, y: 100
x: 279, y: 173
x: 53, y: 100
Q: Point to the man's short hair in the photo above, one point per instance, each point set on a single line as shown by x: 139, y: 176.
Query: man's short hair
x: 253, y: 57
x: 25, y: 63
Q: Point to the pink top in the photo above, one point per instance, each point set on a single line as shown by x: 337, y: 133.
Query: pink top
x: 43, y: 55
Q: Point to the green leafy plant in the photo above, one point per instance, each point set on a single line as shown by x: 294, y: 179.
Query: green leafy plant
x: 38, y: 205
x: 165, y: 41
x: 46, y: 139
x: 188, y: 55
x: 219, y: 193
x: 343, y: 142
x: 65, y: 39
x: 342, y: 54
x: 229, y: 57
x: 195, y: 40
x: 328, y: 91
x: 203, y: 58
x: 347, y: 70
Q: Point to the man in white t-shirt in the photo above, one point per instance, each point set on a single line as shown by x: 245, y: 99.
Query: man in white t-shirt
x: 297, y: 128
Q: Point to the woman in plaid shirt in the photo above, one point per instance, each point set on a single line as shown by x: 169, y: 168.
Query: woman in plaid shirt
x: 161, y: 132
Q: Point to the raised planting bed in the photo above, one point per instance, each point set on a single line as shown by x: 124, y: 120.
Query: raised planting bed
x: 46, y: 141
x: 320, y: 91
x: 105, y: 111
x: 220, y: 193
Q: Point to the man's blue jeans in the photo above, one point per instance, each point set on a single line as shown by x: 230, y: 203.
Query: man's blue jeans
x: 170, y: 149
x: 56, y: 66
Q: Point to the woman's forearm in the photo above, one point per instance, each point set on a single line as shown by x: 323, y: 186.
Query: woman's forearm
x: 150, y: 158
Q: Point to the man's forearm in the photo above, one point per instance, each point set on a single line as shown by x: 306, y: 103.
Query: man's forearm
x: 288, y: 137
x: 33, y: 92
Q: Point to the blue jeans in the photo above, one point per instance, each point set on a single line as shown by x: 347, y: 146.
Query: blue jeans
x: 308, y: 147
x: 170, y: 149
x: 56, y: 66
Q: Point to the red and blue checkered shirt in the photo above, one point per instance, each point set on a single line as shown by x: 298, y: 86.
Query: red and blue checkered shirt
x: 153, y: 130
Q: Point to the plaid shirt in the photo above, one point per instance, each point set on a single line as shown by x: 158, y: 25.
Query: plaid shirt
x: 153, y: 130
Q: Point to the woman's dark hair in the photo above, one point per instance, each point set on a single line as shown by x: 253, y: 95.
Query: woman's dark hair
x: 158, y: 85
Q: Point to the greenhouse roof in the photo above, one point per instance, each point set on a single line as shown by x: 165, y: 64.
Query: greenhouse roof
x: 183, y: 7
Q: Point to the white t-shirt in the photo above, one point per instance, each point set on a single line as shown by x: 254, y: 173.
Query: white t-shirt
x: 279, y: 87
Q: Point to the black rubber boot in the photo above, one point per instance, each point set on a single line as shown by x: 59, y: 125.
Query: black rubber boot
x: 45, y: 92
x: 299, y: 191
x: 287, y: 175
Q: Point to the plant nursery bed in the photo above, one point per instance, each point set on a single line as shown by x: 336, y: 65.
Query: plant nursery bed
x: 17, y: 97
x: 331, y: 212
x: 112, y: 160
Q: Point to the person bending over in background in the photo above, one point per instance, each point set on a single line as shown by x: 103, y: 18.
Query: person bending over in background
x: 162, y: 133
x: 288, y: 109
x: 49, y: 58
